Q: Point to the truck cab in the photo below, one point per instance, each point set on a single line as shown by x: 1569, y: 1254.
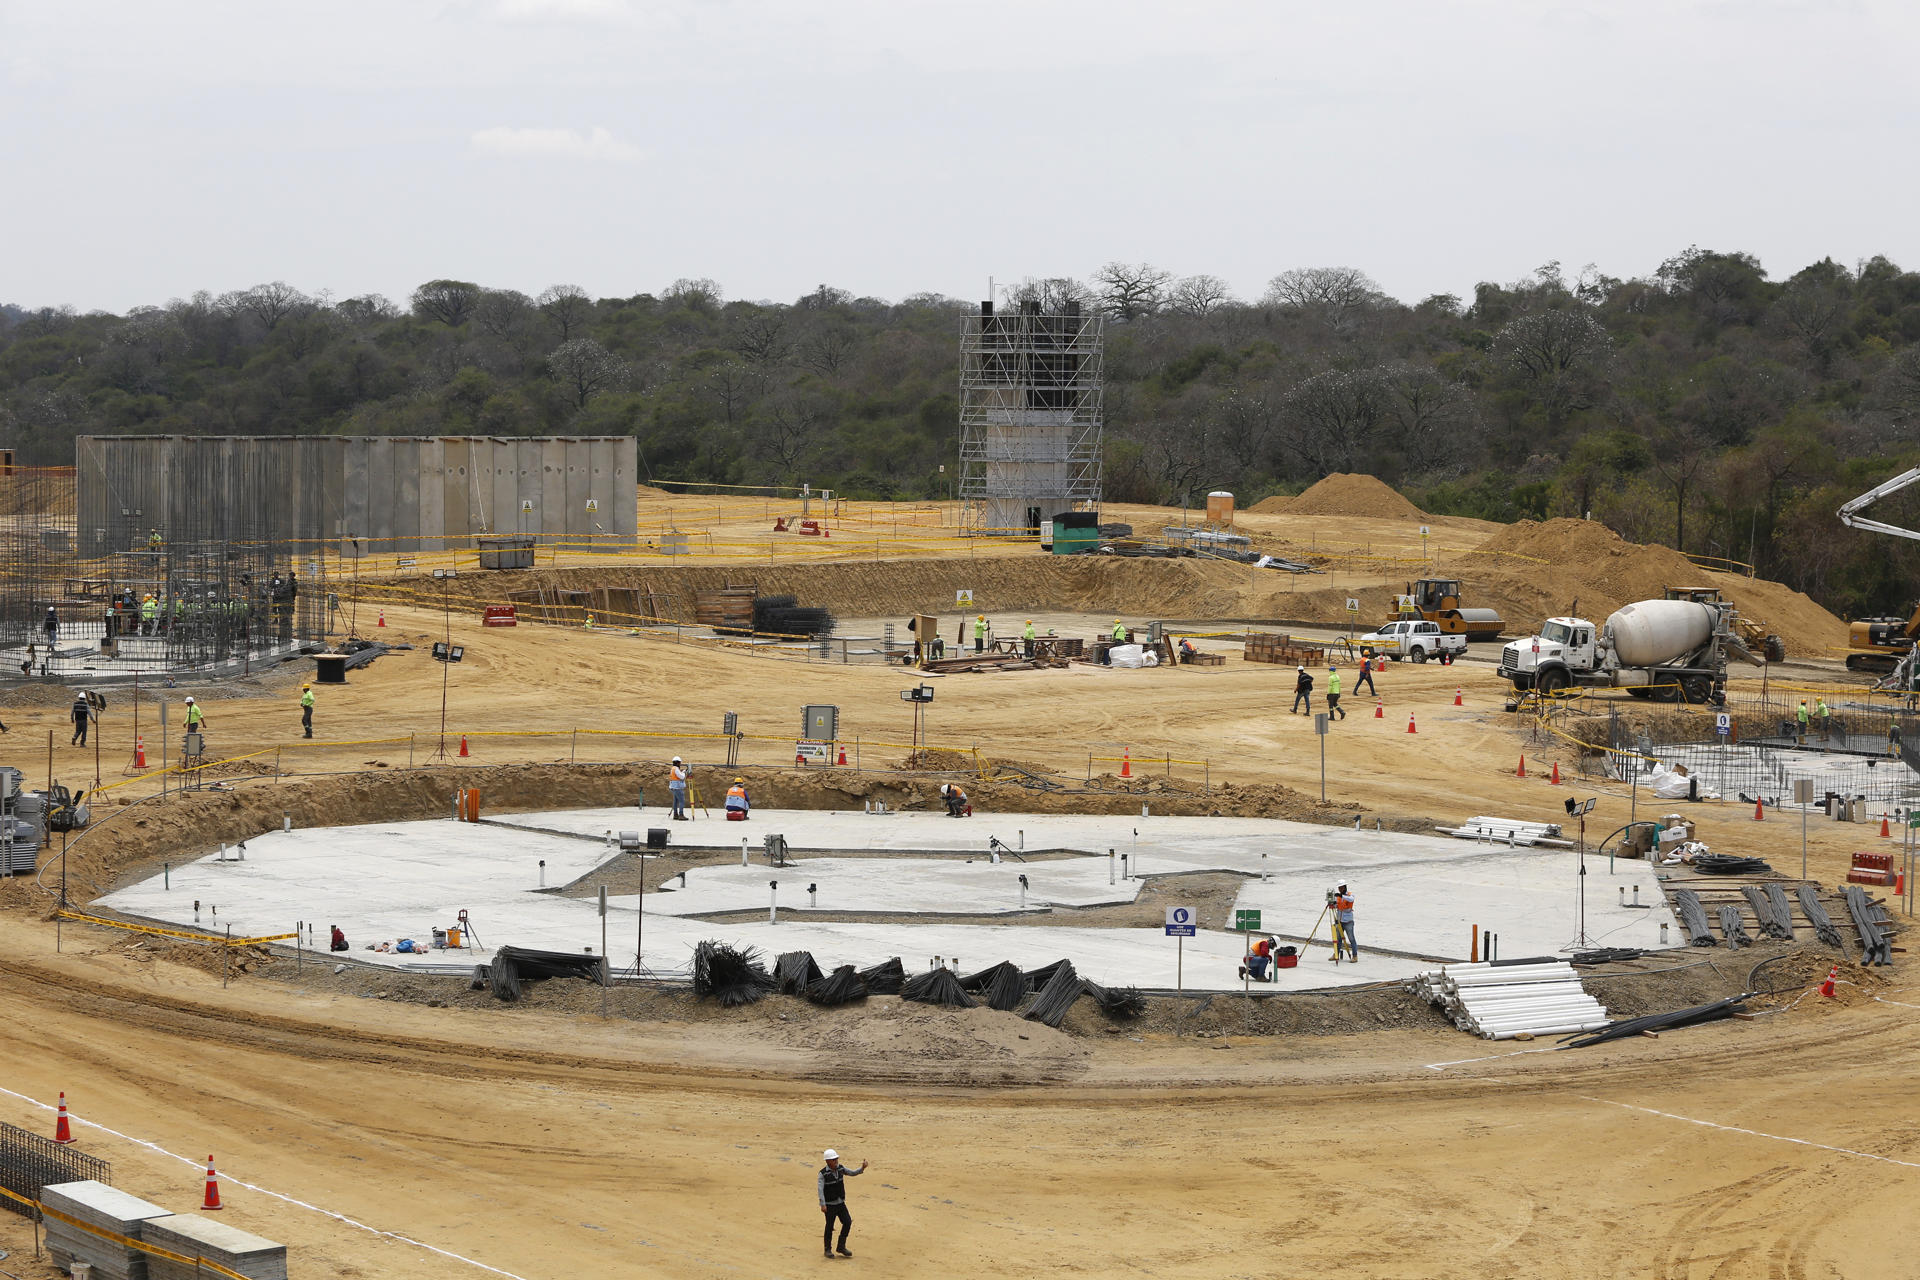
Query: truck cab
x: 1554, y: 659
x: 1415, y: 639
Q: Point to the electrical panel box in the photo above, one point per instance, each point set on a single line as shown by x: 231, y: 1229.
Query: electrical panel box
x: 820, y: 723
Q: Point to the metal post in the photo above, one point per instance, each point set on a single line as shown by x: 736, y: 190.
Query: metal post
x: 226, y: 958
x: 1179, y: 964
x: 604, y: 959
x: 773, y: 902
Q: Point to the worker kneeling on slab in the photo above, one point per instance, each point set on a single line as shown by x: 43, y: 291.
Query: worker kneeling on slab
x: 737, y: 802
x: 957, y: 806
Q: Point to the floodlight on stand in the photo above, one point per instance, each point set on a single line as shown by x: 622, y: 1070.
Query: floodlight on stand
x: 456, y: 653
x: 926, y: 693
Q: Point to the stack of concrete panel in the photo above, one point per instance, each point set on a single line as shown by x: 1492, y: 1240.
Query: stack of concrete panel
x: 194, y: 1236
x: 99, y: 1205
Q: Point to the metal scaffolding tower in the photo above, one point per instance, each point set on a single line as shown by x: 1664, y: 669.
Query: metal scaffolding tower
x: 1030, y: 416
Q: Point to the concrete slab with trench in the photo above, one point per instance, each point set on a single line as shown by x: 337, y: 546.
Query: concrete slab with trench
x: 1418, y: 895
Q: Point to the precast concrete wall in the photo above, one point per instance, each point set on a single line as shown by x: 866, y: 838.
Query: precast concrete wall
x: 400, y: 493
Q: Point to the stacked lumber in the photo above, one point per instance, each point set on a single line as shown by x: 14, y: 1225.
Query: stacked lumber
x: 198, y: 1237
x: 98, y: 1205
x: 728, y: 609
x: 1264, y: 646
x: 977, y: 662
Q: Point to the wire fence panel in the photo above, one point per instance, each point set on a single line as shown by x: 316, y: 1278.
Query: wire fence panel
x: 29, y: 1162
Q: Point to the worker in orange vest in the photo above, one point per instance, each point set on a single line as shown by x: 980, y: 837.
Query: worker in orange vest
x: 737, y: 802
x: 1343, y: 916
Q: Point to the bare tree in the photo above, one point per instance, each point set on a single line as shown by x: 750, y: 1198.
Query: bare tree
x: 1199, y: 295
x: 506, y: 315
x: 1560, y: 356
x: 1434, y: 420
x: 568, y: 306
x: 788, y: 432
x: 760, y: 334
x: 827, y: 347
x: 1178, y: 454
x: 1053, y: 293
x: 271, y: 303
x: 1683, y: 457
x: 824, y: 298
x: 371, y: 309
x: 1332, y: 418
x: 1811, y: 309
x: 699, y: 294
x: 585, y: 369
x: 1128, y: 291
x: 1335, y: 297
x: 733, y: 387
x: 448, y: 301
x: 1244, y: 420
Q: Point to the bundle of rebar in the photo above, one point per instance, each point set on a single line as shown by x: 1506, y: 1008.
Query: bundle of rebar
x: 1727, y: 864
x: 1693, y: 918
x: 794, y: 973
x: 1040, y: 977
x: 511, y: 965
x: 1008, y: 988
x: 1770, y: 909
x: 885, y: 978
x: 844, y: 986
x: 1875, y: 946
x: 1816, y: 912
x: 937, y: 986
x: 1734, y: 926
x: 1499, y: 1002
x: 1051, y: 1005
x: 1604, y: 955
x: 732, y: 975
x: 1689, y: 1017
x: 1117, y: 1002
x: 977, y: 983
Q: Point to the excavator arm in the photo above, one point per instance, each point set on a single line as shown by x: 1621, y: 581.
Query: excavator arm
x: 1850, y: 511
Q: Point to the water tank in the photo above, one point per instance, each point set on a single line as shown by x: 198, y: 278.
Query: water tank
x: 1654, y: 631
x: 1219, y: 507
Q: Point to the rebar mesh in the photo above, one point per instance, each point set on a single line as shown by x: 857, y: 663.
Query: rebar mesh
x: 29, y: 1162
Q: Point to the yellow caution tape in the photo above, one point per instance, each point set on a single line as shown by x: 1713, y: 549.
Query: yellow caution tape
x: 172, y: 933
x: 126, y: 1242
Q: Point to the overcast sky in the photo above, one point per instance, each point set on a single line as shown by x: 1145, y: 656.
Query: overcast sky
x: 892, y: 146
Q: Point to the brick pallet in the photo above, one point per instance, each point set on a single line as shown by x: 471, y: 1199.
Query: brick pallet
x: 1871, y: 868
x: 1265, y: 647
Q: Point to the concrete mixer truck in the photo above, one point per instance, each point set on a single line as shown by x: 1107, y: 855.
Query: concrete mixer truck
x: 1668, y: 650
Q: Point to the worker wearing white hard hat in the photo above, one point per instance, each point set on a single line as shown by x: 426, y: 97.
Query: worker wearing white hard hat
x: 677, y: 788
x: 196, y: 718
x: 833, y: 1201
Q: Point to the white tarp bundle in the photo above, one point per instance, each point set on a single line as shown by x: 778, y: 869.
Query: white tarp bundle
x: 1132, y: 655
x: 1668, y: 784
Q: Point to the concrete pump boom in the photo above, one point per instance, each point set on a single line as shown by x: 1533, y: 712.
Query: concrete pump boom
x: 1849, y: 512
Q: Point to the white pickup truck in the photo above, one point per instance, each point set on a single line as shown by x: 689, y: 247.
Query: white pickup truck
x: 1414, y: 639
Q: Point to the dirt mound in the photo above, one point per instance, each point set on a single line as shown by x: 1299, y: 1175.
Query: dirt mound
x: 1269, y: 506
x: 650, y: 494
x: 1345, y: 494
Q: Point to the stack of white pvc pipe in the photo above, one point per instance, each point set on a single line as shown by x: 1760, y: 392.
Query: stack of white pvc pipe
x: 1498, y: 1002
x: 1507, y: 831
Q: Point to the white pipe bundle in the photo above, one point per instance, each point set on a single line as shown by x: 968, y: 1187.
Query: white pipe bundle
x: 1514, y: 832
x: 1498, y: 1002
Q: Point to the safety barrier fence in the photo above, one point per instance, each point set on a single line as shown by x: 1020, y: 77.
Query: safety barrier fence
x: 861, y: 754
x: 184, y: 935
x: 40, y: 1213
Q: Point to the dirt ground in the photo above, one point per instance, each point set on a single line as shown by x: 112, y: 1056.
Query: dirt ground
x: 540, y: 1141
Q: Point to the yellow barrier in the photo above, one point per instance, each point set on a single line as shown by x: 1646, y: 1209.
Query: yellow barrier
x: 125, y: 1242
x: 212, y: 938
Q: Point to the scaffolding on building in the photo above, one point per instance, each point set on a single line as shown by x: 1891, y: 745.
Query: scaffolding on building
x: 1031, y: 388
x: 195, y: 590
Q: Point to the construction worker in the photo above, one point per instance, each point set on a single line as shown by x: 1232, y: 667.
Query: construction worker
x: 1365, y: 678
x: 956, y: 799
x: 1343, y: 915
x: 589, y: 622
x: 153, y: 540
x: 196, y: 718
x: 1893, y: 739
x: 306, y: 709
x: 1259, y: 964
x: 1333, y: 693
x: 833, y: 1201
x: 980, y: 633
x: 1821, y: 709
x: 737, y: 803
x: 52, y: 627
x: 149, y: 607
x: 1800, y: 720
x: 1302, y: 692
x: 338, y: 941
x: 677, y: 787
x: 1026, y: 639
x: 1119, y: 632
x: 82, y: 714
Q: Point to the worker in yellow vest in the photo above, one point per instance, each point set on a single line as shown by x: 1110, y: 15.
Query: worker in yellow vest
x: 1119, y: 631
x: 1026, y: 638
x: 149, y: 610
x: 980, y: 633
x: 196, y: 718
x: 306, y: 709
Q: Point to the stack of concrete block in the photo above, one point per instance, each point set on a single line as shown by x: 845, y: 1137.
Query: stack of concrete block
x: 99, y: 1205
x: 195, y: 1236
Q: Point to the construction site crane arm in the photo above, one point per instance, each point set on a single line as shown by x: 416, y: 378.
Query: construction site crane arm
x: 1849, y: 512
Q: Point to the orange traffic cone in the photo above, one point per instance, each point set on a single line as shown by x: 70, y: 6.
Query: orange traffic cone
x: 1126, y: 763
x: 1456, y: 699
x: 1379, y: 710
x: 1884, y: 833
x: 140, y: 752
x: 1556, y: 773
x: 62, y: 1128
x: 383, y: 618
x: 1759, y: 810
x: 1521, y: 772
x: 1410, y: 728
x: 463, y: 746
x: 1826, y: 988
x: 212, y: 1198
x: 843, y: 756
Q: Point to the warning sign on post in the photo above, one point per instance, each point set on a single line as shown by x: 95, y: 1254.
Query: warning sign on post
x: 963, y: 599
x: 1180, y: 922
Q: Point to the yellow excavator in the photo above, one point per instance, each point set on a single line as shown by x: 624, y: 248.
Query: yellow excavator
x: 1878, y: 644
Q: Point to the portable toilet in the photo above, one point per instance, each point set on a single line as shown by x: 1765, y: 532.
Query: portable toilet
x: 1219, y: 507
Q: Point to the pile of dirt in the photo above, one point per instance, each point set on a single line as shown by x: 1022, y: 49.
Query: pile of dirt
x: 648, y: 493
x: 1583, y: 560
x: 1271, y: 506
x: 1346, y: 494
